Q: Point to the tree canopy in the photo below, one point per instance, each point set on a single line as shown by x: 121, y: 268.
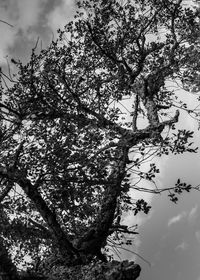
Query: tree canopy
x: 68, y: 155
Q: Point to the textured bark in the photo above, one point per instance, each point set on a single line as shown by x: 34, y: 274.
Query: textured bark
x: 152, y: 112
x: 95, y: 238
x: 97, y: 271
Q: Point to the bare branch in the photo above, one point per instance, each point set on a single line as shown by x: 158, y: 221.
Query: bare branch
x: 6, y: 23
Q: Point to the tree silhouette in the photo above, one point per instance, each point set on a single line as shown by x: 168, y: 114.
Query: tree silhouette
x: 68, y: 156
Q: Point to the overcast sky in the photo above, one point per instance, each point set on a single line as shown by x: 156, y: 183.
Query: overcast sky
x: 170, y: 236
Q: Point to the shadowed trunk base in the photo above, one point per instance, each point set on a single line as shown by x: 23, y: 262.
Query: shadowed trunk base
x: 125, y: 270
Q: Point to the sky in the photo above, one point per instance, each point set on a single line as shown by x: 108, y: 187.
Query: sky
x: 31, y: 20
x: 170, y: 235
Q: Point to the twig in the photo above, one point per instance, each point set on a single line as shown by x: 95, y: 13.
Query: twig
x: 6, y: 23
x: 134, y: 254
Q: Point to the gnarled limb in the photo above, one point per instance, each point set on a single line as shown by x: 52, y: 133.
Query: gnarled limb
x: 99, y: 232
x: 65, y: 246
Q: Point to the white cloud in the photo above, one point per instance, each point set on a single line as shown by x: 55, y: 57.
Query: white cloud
x: 61, y: 14
x: 176, y: 219
x: 22, y: 14
x: 25, y: 13
x: 193, y: 214
x: 183, y: 246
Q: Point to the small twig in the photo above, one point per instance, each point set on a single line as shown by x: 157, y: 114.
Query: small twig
x: 134, y: 254
x: 123, y: 228
x: 41, y: 227
x: 36, y: 44
x: 6, y: 23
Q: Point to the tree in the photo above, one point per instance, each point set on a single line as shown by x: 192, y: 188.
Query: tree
x: 67, y: 155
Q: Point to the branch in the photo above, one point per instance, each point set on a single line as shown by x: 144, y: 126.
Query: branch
x: 65, y: 246
x: 6, y: 23
x: 103, y: 122
x: 122, y: 228
x: 6, y: 191
x: 17, y: 154
x: 41, y: 227
x: 135, y: 113
x: 12, y: 111
x: 106, y: 215
x: 150, y: 21
x: 150, y: 131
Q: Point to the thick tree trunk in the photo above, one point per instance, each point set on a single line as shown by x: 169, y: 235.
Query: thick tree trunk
x: 95, y: 238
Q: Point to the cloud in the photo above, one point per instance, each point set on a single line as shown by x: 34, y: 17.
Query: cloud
x: 6, y: 31
x: 61, y: 14
x: 7, y: 41
x: 176, y: 219
x: 23, y: 15
x: 183, y: 246
x: 193, y: 214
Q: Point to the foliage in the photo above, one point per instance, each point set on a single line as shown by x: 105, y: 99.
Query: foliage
x: 68, y: 155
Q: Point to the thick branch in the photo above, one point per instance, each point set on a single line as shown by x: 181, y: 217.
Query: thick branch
x: 152, y: 112
x: 122, y: 228
x: 99, y: 232
x: 150, y: 131
x: 95, y: 238
x: 66, y: 248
